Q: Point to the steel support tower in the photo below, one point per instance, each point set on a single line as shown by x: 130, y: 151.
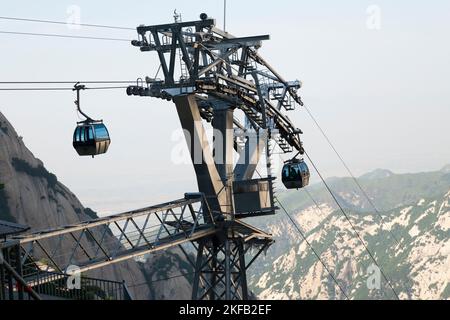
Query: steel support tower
x: 213, y: 77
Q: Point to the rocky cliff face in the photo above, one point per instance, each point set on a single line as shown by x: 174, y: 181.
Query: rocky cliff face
x: 411, y: 241
x: 34, y: 197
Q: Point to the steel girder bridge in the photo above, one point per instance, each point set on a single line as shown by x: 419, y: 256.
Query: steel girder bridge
x: 214, y: 78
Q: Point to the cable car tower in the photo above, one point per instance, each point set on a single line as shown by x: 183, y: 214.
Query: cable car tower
x: 213, y: 77
x: 216, y: 79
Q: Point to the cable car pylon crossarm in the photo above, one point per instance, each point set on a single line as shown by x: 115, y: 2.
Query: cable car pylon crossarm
x: 222, y: 67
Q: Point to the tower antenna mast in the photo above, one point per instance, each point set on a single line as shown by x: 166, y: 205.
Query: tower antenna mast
x: 225, y: 15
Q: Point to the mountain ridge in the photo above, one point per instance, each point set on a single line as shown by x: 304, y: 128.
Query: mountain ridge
x: 416, y: 213
x: 377, y: 174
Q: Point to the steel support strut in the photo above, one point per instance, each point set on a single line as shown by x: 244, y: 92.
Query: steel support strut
x: 222, y: 263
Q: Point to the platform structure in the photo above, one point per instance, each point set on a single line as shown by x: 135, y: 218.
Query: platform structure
x: 29, y: 261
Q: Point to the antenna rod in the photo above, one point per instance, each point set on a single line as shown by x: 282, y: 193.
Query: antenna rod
x: 225, y: 15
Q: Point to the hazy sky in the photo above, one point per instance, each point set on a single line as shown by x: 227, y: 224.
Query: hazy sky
x: 380, y: 93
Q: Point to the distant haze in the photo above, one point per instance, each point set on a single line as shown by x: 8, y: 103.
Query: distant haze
x: 379, y: 90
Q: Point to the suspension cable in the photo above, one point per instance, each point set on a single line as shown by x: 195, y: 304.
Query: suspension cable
x: 352, y: 226
x: 311, y: 247
x: 62, y: 36
x: 67, y: 82
x: 59, y: 89
x: 35, y: 89
x: 371, y: 203
x: 318, y: 208
x: 358, y: 184
x: 309, y: 244
x: 66, y: 23
x: 316, y: 204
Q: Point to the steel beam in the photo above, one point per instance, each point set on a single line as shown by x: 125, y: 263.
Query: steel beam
x: 208, y: 178
x: 223, y: 153
x: 46, y: 234
x: 21, y: 281
x: 181, y: 223
x: 208, y: 23
x: 250, y: 156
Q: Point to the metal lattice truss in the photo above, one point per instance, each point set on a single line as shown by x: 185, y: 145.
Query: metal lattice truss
x: 222, y: 268
x: 106, y: 241
x: 98, y: 243
x: 198, y: 58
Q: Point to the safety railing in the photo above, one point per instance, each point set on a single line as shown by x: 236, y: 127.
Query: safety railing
x: 62, y: 286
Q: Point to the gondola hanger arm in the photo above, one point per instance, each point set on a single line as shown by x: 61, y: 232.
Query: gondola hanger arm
x: 78, y: 87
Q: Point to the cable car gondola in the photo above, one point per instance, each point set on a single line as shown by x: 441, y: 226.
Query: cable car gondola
x: 91, y: 137
x: 295, y: 174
